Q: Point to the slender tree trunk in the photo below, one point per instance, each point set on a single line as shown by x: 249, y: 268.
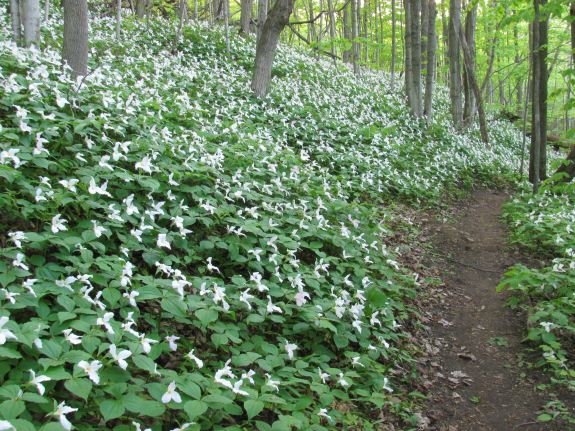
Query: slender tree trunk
x: 75, y: 51
x: 470, y: 69
x: 416, y: 102
x: 354, y: 35
x: 332, y: 29
x: 266, y: 48
x: 246, y: 16
x: 572, y: 16
x: 469, y: 106
x: 262, y: 15
x: 226, y: 12
x: 46, y: 9
x: 455, y: 63
x: 183, y: 18
x: 118, y: 20
x: 424, y: 33
x: 542, y: 52
x: 431, y: 50
x: 393, y: 45
x: 30, y: 16
x: 535, y: 153
x: 407, y: 46
x: 141, y: 6
x: 16, y: 21
x: 346, y: 56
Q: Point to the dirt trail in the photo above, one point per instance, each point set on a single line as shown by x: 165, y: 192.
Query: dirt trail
x: 479, y: 339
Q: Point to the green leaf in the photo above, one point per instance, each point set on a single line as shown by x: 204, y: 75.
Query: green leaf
x: 7, y: 352
x: 217, y: 399
x: 112, y: 409
x: 195, y: 408
x: 79, y: 387
x: 175, y: 306
x: 207, y: 315
x: 253, y: 407
x: 376, y: 297
x: 11, y: 409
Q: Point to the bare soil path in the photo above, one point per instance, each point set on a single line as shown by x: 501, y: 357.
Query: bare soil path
x: 481, y: 386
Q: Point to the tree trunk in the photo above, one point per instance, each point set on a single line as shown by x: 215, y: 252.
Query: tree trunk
x: 424, y: 33
x: 31, y: 21
x: 75, y: 51
x: 183, y: 18
x: 332, y: 29
x: 226, y: 11
x: 393, y: 45
x: 431, y: 49
x: 417, y: 102
x: 262, y: 16
x: 141, y: 6
x: 46, y: 9
x: 118, y: 20
x: 354, y: 35
x: 246, y: 16
x: 407, y: 47
x: 469, y: 106
x: 572, y: 16
x: 16, y: 21
x: 455, y: 63
x: 538, y: 165
x: 535, y: 153
x: 470, y: 72
x: 266, y: 48
x: 346, y: 56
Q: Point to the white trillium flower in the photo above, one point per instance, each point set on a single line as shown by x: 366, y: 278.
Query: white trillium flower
x: 72, y: 338
x: 58, y: 224
x: 6, y: 426
x: 120, y: 356
x: 5, y: 334
x: 194, y: 358
x: 61, y: 411
x: 163, y: 241
x: 38, y: 380
x: 290, y: 349
x: 91, y: 369
x: 171, y: 394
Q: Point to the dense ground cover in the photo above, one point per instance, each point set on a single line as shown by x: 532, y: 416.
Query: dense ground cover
x: 178, y: 255
x: 545, y: 225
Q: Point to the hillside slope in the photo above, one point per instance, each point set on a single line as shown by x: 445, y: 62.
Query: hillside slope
x: 178, y: 255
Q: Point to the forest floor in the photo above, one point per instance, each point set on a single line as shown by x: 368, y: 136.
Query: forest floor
x: 479, y: 380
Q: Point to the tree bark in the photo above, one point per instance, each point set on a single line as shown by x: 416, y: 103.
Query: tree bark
x: 16, y: 21
x: 266, y: 48
x: 46, y: 9
x: 417, y: 102
x: 75, y: 51
x: 431, y: 50
x: 455, y: 63
x: 262, y: 16
x: 118, y: 20
x: 470, y: 70
x: 332, y: 29
x: 346, y: 56
x: 469, y: 106
x: 30, y: 17
x: 538, y: 162
x: 393, y: 45
x: 354, y: 35
x: 141, y: 6
x: 246, y: 16
x: 407, y: 47
x: 535, y: 152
